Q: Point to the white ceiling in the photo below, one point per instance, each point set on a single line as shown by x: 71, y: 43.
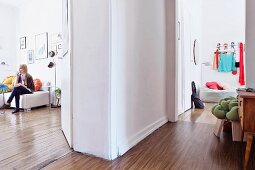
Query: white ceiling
x: 14, y: 3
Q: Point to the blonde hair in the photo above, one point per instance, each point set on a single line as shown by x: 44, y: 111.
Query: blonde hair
x: 24, y: 67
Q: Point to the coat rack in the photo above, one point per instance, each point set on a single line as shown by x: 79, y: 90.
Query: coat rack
x: 232, y: 47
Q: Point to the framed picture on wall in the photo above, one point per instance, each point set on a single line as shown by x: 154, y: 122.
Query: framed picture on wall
x: 23, y: 43
x: 30, y: 57
x: 65, y: 24
x: 41, y: 46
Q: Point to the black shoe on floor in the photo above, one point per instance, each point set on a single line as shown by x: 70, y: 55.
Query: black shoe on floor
x: 15, y: 111
x: 5, y: 106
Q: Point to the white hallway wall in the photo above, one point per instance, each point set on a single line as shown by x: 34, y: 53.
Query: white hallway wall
x: 223, y: 21
x: 115, y: 110
x: 36, y: 17
x: 250, y: 41
x: 138, y: 73
x: 8, y: 32
x: 91, y: 77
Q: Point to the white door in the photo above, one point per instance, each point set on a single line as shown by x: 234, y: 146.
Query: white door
x: 186, y: 60
x: 179, y: 59
x: 66, y: 82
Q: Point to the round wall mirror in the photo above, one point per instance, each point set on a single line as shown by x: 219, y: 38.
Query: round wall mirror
x: 196, y: 52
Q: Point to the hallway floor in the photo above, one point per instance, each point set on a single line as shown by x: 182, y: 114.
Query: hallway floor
x: 199, y: 115
x: 187, y: 145
x: 34, y: 140
x: 175, y: 146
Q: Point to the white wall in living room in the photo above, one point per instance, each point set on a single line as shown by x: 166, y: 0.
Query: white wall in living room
x: 36, y: 17
x: 8, y: 40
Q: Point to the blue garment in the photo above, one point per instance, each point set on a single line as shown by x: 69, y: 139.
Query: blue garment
x: 227, y: 62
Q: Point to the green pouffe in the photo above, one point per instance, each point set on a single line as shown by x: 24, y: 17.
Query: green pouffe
x: 233, y: 114
x: 225, y: 104
x: 230, y: 98
x: 221, y: 101
x: 220, y: 112
x: 232, y: 104
x: 214, y: 108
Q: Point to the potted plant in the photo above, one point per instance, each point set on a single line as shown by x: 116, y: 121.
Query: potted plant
x: 58, y: 93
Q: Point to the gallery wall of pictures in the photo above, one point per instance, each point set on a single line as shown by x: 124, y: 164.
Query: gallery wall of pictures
x: 43, y: 44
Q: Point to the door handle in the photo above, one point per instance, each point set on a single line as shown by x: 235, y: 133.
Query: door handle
x: 179, y: 30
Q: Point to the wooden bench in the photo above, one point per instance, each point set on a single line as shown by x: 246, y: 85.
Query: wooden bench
x: 237, y: 132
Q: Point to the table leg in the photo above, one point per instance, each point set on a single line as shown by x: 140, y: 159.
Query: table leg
x: 248, y: 150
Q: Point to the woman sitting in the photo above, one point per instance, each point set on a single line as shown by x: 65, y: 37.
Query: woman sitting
x: 24, y: 84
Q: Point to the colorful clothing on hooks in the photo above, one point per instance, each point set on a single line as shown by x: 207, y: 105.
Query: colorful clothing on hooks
x: 227, y: 62
x: 241, y: 65
x: 216, y: 60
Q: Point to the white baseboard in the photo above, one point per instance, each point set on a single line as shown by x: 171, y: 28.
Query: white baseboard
x: 138, y: 137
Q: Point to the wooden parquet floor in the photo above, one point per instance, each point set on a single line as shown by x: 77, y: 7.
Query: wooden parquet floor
x: 175, y: 146
x: 34, y: 140
x: 31, y: 140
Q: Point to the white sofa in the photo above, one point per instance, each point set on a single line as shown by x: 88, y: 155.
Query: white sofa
x: 1, y: 100
x: 28, y: 101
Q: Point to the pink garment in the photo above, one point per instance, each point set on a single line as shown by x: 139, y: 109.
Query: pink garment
x: 216, y: 60
x: 241, y: 76
x: 213, y: 85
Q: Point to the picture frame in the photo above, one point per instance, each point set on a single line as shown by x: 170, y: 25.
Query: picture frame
x: 65, y: 28
x: 23, y: 43
x: 30, y: 57
x: 59, y: 46
x: 41, y: 46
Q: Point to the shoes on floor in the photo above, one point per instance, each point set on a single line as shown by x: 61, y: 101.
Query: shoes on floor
x: 16, y: 111
x: 5, y: 106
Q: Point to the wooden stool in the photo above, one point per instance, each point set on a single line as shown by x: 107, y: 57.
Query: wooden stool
x: 236, y: 129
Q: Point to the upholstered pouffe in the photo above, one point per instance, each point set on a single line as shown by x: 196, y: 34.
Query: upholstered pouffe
x: 220, y: 112
x: 227, y: 108
x: 233, y: 114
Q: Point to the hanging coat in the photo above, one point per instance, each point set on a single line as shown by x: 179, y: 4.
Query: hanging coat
x: 241, y: 65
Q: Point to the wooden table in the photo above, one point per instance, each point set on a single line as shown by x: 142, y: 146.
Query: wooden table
x: 246, y: 111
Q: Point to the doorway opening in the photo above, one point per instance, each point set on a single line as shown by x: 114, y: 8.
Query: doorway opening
x: 36, y: 33
x: 206, y: 30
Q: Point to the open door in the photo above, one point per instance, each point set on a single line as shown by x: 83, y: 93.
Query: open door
x: 186, y: 60
x: 66, y: 92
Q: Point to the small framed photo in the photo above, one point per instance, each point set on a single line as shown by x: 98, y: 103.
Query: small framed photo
x: 23, y: 43
x: 30, y: 57
x: 59, y: 46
